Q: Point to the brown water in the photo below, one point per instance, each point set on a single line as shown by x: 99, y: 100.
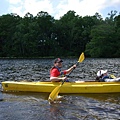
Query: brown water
x: 34, y: 106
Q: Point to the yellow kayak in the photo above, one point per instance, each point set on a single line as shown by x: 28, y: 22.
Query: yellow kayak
x: 67, y: 87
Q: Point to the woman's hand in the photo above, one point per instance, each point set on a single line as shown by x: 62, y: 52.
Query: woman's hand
x: 74, y: 66
x: 63, y: 78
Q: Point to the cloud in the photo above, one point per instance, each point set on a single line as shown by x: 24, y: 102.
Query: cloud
x: 36, y: 6
x: 14, y: 1
x: 58, y: 8
x: 21, y: 7
x: 84, y: 7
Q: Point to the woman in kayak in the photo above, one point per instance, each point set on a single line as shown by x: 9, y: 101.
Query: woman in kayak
x: 56, y: 75
x: 102, y: 76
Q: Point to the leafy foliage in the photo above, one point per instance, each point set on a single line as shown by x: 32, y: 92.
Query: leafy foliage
x: 43, y: 36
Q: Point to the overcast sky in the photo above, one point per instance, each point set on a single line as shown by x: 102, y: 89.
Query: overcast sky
x: 57, y: 8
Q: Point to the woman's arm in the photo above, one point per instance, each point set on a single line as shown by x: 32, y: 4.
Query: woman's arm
x: 57, y: 79
x: 112, y: 80
x: 70, y: 69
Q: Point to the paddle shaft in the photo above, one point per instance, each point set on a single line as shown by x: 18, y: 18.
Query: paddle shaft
x: 69, y: 74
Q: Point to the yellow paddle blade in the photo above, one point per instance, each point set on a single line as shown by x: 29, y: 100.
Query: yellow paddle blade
x: 112, y: 76
x: 81, y: 58
x: 54, y: 93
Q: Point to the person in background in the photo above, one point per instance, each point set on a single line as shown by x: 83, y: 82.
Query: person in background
x: 102, y: 76
x: 56, y: 75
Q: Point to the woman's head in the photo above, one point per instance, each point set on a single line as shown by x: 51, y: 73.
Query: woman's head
x: 58, y: 62
x: 101, y: 73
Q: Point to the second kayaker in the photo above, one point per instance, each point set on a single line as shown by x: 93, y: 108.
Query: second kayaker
x: 56, y: 75
x: 102, y: 76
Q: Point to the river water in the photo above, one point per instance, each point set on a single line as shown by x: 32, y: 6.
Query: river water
x: 34, y: 106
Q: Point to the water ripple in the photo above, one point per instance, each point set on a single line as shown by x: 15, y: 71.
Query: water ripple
x: 31, y: 106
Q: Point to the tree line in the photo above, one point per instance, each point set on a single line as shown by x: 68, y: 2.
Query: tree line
x: 44, y: 36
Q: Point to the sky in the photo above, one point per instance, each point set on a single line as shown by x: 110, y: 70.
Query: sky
x: 57, y: 8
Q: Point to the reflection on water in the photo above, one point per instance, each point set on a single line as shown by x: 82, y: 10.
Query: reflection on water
x: 34, y: 106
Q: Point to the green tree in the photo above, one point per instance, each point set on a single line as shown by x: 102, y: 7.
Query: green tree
x: 7, y: 28
x: 104, y: 38
x: 68, y: 33
x: 103, y: 41
x: 72, y: 34
x: 45, y: 33
x: 24, y: 40
x: 117, y: 26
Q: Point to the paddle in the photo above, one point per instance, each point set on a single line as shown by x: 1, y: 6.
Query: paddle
x: 53, y: 95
